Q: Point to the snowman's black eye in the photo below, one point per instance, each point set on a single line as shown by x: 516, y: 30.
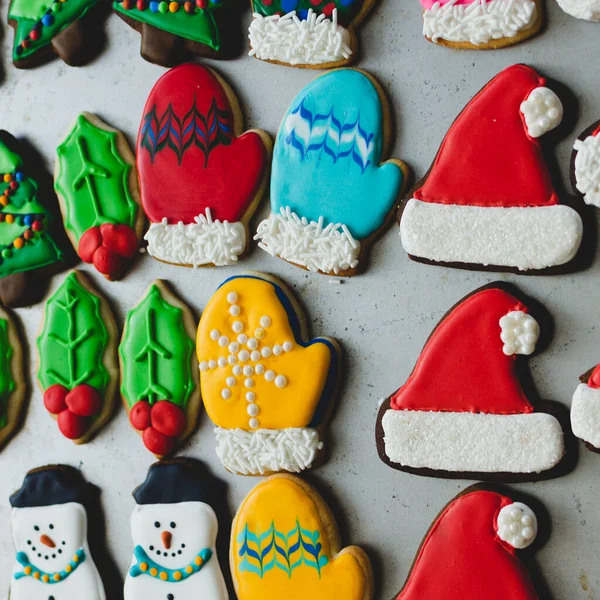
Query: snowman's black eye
x: 173, y: 525
x: 29, y: 542
x: 50, y: 526
x: 36, y: 527
x: 156, y: 524
x: 151, y: 547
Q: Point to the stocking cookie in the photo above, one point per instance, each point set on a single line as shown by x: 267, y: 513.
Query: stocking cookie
x: 462, y: 412
x: 43, y: 27
x: 266, y: 386
x: 585, y: 409
x: 77, y: 358
x: 481, y: 24
x: 99, y: 195
x: 201, y: 177
x: 314, y: 34
x: 174, y: 529
x: 471, y: 551
x: 49, y: 525
x: 159, y: 372
x: 585, y: 165
x: 285, y: 544
x: 339, y: 124
x: 462, y: 214
x: 588, y: 10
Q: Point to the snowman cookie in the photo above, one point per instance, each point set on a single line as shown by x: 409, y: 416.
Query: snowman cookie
x: 267, y: 387
x: 49, y: 523
x: 285, y: 544
x: 585, y: 409
x: 585, y: 165
x: 588, y: 10
x: 333, y: 139
x: 77, y: 358
x: 201, y: 176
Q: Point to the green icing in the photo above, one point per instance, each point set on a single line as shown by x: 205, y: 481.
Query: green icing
x: 156, y: 353
x: 9, y: 160
x: 347, y: 9
x: 74, y: 339
x: 93, y: 179
x: 7, y: 383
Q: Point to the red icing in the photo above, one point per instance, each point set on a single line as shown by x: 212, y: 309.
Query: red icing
x: 487, y: 158
x: 89, y: 242
x: 107, y: 247
x: 139, y: 416
x: 462, y: 367
x: 226, y: 181
x: 54, y: 398
x: 594, y: 380
x: 158, y: 443
x: 72, y: 426
x: 108, y: 262
x: 119, y: 238
x: 168, y: 418
x: 84, y: 400
x: 596, y: 131
x: 463, y: 559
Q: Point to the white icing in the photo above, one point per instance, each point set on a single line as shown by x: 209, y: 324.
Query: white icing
x: 464, y: 442
x: 203, y: 242
x: 588, y: 10
x: 542, y: 110
x: 267, y: 450
x: 330, y: 249
x: 585, y: 414
x: 286, y: 38
x: 523, y: 238
x: 520, y: 333
x: 517, y: 525
x: 69, y: 534
x: 587, y: 168
x: 479, y: 22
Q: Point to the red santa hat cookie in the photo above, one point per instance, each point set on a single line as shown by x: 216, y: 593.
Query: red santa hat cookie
x: 471, y: 551
x: 585, y: 409
x: 462, y: 412
x: 585, y: 165
x: 488, y: 199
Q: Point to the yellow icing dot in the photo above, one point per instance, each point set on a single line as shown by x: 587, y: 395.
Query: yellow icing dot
x: 10, y: 219
x: 144, y: 566
x: 3, y: 200
x: 177, y: 575
x: 36, y: 575
x: 164, y: 576
x: 7, y: 178
x: 76, y: 558
x: 45, y: 578
x: 189, y: 569
x: 56, y: 577
x: 198, y: 560
x: 153, y: 572
x: 68, y: 568
x: 27, y: 570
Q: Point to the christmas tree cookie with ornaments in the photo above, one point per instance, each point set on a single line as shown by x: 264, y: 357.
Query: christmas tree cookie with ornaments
x: 488, y: 201
x: 463, y: 412
x: 585, y: 165
x: 285, y: 544
x: 314, y: 34
x: 201, y: 176
x: 174, y: 529
x: 471, y: 551
x: 268, y: 388
x: 331, y: 192
x: 49, y: 522
x: 588, y: 10
x: 585, y: 409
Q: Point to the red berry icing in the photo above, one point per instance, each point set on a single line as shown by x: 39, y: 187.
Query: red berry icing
x: 594, y: 380
x: 139, y: 416
x: 84, y: 401
x: 168, y: 418
x: 54, y: 398
x: 90, y: 241
x: 157, y: 442
x: 121, y: 239
x: 107, y: 246
x: 72, y: 426
x: 107, y: 262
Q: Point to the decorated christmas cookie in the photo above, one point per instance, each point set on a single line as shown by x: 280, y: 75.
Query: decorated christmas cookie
x: 463, y: 214
x: 266, y: 386
x: 77, y: 359
x: 285, y: 544
x: 43, y: 27
x: 12, y: 379
x: 585, y: 409
x: 201, y: 177
x: 585, y: 165
x: 332, y: 138
x: 317, y: 34
x: 159, y: 372
x: 25, y: 242
x: 481, y: 24
x: 471, y: 551
x: 49, y: 524
x: 589, y: 10
x: 462, y: 412
x: 174, y: 529
x: 97, y: 186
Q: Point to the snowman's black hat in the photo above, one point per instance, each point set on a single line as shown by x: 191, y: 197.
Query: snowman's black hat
x: 54, y: 484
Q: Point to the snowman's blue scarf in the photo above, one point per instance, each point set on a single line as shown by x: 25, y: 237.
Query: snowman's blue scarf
x: 30, y: 570
x: 144, y: 565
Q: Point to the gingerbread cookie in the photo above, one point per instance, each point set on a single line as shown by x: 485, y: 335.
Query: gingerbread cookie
x: 99, y: 195
x: 339, y: 124
x: 77, y: 364
x: 201, y: 178
x: 585, y: 409
x: 159, y: 371
x: 585, y: 165
x: 462, y: 412
x: 462, y: 214
x: 471, y: 550
x: 266, y: 386
x: 313, y: 34
x: 588, y: 10
x: 43, y: 27
x: 49, y: 524
x: 174, y: 529
x: 285, y: 544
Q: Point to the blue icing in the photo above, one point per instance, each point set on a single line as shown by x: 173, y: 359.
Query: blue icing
x: 327, y: 154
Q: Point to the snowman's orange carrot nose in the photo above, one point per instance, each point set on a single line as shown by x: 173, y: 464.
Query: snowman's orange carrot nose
x: 47, y: 541
x: 166, y: 537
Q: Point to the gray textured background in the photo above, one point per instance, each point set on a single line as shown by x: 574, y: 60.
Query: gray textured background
x: 382, y: 318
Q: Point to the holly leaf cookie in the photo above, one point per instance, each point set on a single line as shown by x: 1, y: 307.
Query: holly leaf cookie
x: 463, y: 413
x: 312, y: 34
x: 267, y: 387
x: 285, y: 544
x: 201, y: 178
x: 97, y: 187
x: 585, y: 165
x: 585, y: 409
x: 159, y: 371
x: 463, y: 214
x: 471, y: 550
x: 330, y: 193
x: 77, y: 363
